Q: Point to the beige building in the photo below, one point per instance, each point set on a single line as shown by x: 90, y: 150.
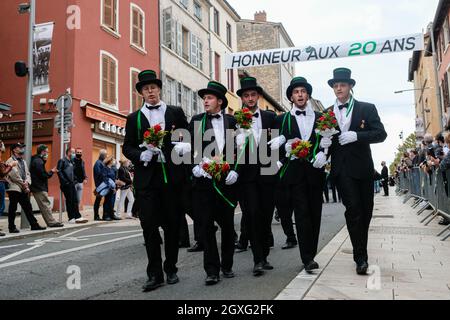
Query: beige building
x: 421, y: 72
x: 259, y: 34
x: 185, y: 54
x: 224, y: 41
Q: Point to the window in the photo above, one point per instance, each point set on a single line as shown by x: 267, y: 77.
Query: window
x: 195, y: 106
x: 187, y: 101
x: 200, y: 54
x: 168, y: 29
x: 231, y: 80
x: 136, y: 99
x: 217, y: 67
x: 179, y: 41
x: 137, y: 26
x: 216, y: 22
x: 179, y: 94
x: 186, y: 42
x: 198, y: 11
x: 229, y: 39
x: 170, y: 95
x: 184, y: 3
x: 109, y: 14
x: 108, y: 80
x: 194, y: 53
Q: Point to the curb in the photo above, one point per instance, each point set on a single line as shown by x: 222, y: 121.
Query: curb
x: 299, y: 287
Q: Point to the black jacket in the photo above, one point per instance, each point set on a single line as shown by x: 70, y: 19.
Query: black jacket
x: 356, y: 157
x: 80, y: 172
x: 124, y: 176
x: 298, y: 169
x: 66, y: 173
x: 252, y: 172
x: 174, y: 119
x: 385, y: 173
x: 39, y: 176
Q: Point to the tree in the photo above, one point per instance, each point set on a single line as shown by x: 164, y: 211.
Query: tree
x: 408, y: 144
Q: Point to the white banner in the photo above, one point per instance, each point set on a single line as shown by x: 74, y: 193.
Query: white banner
x: 247, y: 59
x: 42, y: 47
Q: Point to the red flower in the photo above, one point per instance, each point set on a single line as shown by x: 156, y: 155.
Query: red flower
x: 146, y: 134
x: 331, y: 114
x: 157, y: 128
x: 322, y: 119
x: 217, y: 168
x: 333, y: 121
x: 205, y: 167
x: 303, y: 153
x: 245, y: 110
x: 325, y: 126
x: 248, y: 115
x: 225, y: 167
x: 295, y: 144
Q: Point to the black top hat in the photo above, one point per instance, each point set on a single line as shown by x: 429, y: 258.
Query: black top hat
x: 298, y: 82
x: 249, y: 83
x: 216, y: 89
x: 341, y: 75
x: 17, y: 145
x: 147, y: 77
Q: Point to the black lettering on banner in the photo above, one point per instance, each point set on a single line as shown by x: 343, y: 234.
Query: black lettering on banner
x: 334, y: 52
x: 249, y: 59
x: 266, y: 58
x: 411, y: 44
x: 276, y: 57
x: 386, y: 46
x: 238, y: 61
x: 325, y: 55
x: 398, y: 45
x: 312, y: 54
x: 256, y: 59
x: 296, y: 55
x: 285, y: 60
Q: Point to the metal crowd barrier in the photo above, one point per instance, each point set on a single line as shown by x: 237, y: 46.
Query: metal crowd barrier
x: 429, y: 191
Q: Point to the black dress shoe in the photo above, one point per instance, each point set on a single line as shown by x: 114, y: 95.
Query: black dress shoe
x: 152, y: 284
x: 2, y: 234
x: 310, y: 266
x: 240, y: 248
x: 197, y: 247
x: 107, y: 219
x: 258, y: 269
x: 267, y: 266
x: 289, y: 245
x: 37, y: 227
x: 116, y: 218
x: 56, y: 225
x: 444, y: 222
x: 97, y: 218
x: 228, y: 273
x: 172, y: 278
x: 361, y: 268
x: 212, y: 280
x: 15, y: 230
x: 184, y: 245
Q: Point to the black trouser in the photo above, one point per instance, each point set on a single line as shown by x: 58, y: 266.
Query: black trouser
x: 285, y: 211
x: 23, y: 198
x: 98, y: 199
x: 210, y: 207
x: 357, y: 197
x: 326, y: 192
x: 70, y: 193
x: 108, y: 205
x: 159, y: 207
x: 385, y: 187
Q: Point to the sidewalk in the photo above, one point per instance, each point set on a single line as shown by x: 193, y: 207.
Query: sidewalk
x: 88, y: 213
x: 407, y: 261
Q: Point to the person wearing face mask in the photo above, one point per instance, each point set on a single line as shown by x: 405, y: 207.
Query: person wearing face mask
x: 67, y: 182
x: 125, y: 183
x: 19, y: 189
x: 98, y: 179
x: 80, y: 174
x: 39, y: 185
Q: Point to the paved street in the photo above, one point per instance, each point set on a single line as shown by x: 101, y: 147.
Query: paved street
x: 112, y: 261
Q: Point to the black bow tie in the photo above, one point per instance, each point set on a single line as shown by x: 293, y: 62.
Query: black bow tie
x: 214, y: 116
x: 256, y: 115
x: 153, y: 107
x: 342, y: 106
x: 298, y: 112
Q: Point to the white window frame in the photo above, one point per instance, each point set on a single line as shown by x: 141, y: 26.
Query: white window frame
x: 134, y: 45
x: 132, y: 88
x: 200, y: 16
x: 184, y: 3
x: 107, y: 28
x: 105, y: 105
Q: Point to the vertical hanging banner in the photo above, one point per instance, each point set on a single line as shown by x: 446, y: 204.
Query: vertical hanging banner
x: 42, y: 47
x: 247, y: 59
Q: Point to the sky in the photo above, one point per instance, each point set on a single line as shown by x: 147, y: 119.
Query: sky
x: 378, y: 76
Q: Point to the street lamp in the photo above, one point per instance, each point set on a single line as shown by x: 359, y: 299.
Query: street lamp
x: 404, y: 90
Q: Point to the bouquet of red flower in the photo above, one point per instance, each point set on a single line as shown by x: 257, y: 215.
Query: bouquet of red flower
x: 326, y: 126
x: 216, y: 168
x: 244, y: 118
x: 154, y: 139
x: 299, y: 149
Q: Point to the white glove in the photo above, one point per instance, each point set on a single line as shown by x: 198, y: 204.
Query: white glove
x: 146, y: 156
x: 325, y: 142
x: 321, y: 160
x: 198, y: 172
x: 240, y: 139
x: 279, y: 165
x: 182, y: 147
x: 276, y: 143
x: 231, y: 178
x: 288, y: 146
x: 348, y: 137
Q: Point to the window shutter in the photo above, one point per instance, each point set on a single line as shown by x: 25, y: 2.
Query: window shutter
x: 200, y: 54
x: 114, y: 5
x: 135, y: 24
x: 179, y: 47
x: 194, y: 50
x: 141, y: 30
x: 112, y: 82
x: 108, y: 13
x: 105, y: 67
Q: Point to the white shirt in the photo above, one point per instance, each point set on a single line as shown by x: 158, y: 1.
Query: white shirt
x: 257, y: 126
x: 219, y: 131
x: 344, y: 121
x: 155, y: 116
x: 305, y: 123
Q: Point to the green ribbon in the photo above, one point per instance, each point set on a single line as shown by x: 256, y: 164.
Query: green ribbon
x: 350, y: 106
x: 222, y: 195
x: 283, y: 170
x: 315, y: 148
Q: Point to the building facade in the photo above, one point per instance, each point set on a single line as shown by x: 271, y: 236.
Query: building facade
x: 259, y: 34
x: 98, y: 49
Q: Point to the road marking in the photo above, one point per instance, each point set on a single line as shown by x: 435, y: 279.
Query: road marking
x: 12, y: 255
x: 48, y: 255
x: 107, y: 234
